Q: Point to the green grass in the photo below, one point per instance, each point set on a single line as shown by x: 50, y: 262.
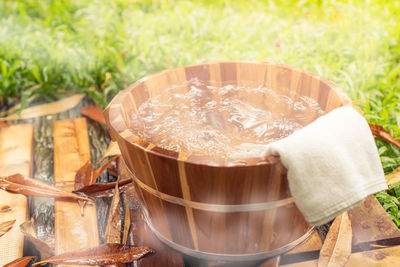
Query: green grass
x: 50, y: 48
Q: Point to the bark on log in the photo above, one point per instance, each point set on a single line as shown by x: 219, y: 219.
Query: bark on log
x: 43, y: 208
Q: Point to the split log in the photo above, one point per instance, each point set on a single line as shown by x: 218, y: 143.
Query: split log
x: 16, y: 150
x: 372, y: 225
x: 372, y: 228
x: 74, y: 228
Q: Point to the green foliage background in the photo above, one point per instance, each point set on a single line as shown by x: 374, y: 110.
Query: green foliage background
x: 51, y: 48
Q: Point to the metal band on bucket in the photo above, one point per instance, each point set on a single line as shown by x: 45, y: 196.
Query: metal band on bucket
x: 212, y: 207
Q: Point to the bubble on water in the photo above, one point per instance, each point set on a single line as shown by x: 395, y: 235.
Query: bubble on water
x: 229, y: 121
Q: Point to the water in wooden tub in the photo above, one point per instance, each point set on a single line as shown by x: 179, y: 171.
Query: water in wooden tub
x: 227, y: 121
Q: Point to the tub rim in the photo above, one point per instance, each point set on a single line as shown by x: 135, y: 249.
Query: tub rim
x: 124, y: 132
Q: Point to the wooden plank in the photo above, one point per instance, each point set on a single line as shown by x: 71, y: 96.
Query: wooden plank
x: 380, y: 257
x: 16, y: 151
x: 371, y: 223
x: 305, y: 251
x: 73, y: 230
x: 313, y: 243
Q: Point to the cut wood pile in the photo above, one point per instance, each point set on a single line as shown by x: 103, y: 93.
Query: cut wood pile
x: 67, y: 200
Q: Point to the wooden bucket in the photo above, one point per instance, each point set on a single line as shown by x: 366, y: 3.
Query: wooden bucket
x: 208, y: 211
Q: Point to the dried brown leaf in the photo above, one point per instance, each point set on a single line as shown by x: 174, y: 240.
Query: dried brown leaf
x: 18, y: 106
x: 113, y: 168
x: 393, y: 177
x: 3, y: 124
x: 384, y: 135
x: 112, y: 150
x: 94, y: 112
x: 50, y: 240
x: 336, y: 249
x: 46, y: 248
x: 104, y: 189
x: 113, y: 229
x: 83, y: 176
x: 102, y: 255
x: 28, y: 228
x: 46, y: 109
x: 21, y: 262
x: 10, y: 110
x: 127, y: 218
x: 5, y: 208
x: 21, y: 184
x: 119, y: 221
x: 380, y: 246
x: 106, y: 79
x: 5, y: 227
x: 111, y: 192
x: 102, y: 168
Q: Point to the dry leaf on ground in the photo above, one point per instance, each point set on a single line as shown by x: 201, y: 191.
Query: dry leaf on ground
x: 104, y: 189
x: 112, y: 150
x: 94, y: 112
x: 126, y: 215
x: 83, y: 175
x: 384, y: 135
x: 21, y: 262
x: 336, y: 249
x: 10, y: 110
x: 46, y: 109
x: 393, y: 177
x: 46, y: 249
x: 119, y: 220
x: 110, y: 192
x: 102, y: 255
x: 113, y: 168
x: 5, y: 208
x: 5, y: 227
x: 3, y: 124
x: 102, y: 168
x: 114, y: 226
x: 21, y: 184
x: 18, y: 106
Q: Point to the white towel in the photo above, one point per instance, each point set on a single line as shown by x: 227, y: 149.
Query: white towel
x: 333, y: 164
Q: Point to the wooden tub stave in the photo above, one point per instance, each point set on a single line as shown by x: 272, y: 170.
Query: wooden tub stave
x: 203, y: 230
x: 216, y: 232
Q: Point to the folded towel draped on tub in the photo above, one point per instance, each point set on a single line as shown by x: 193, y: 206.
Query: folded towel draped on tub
x: 333, y: 164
